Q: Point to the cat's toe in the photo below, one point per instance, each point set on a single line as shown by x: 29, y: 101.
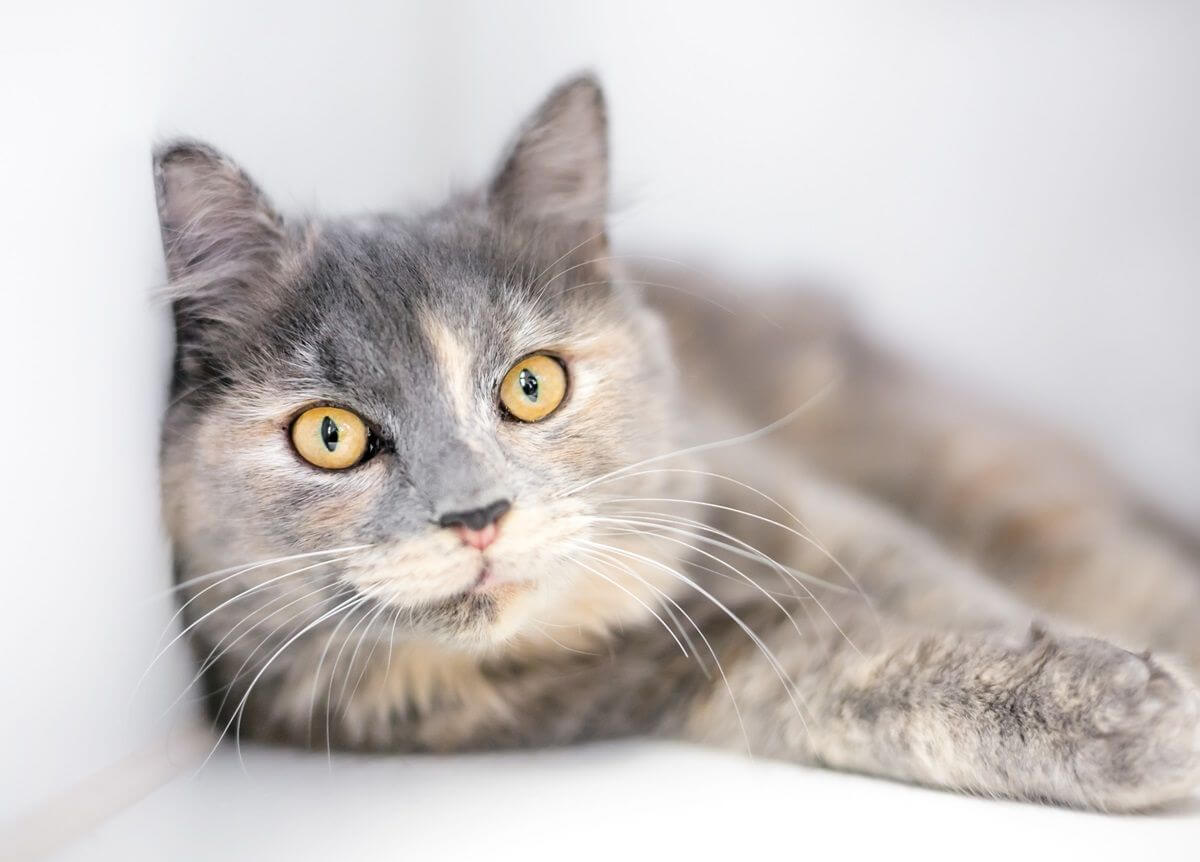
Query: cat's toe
x: 1138, y: 741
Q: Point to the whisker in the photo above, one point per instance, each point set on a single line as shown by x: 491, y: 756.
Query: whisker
x: 332, y: 675
x: 217, y: 652
x: 772, y: 660
x: 711, y: 651
x: 291, y: 640
x: 790, y: 594
x: 240, y: 711
x: 620, y: 257
x: 230, y: 573
x: 756, y: 517
x: 383, y: 606
x: 742, y: 549
x: 245, y: 668
x: 387, y: 672
x: 677, y: 288
x: 599, y: 259
x: 560, y: 644
x: 665, y: 601
x: 541, y: 290
x: 761, y: 558
x: 810, y: 537
x: 716, y: 559
x: 237, y: 597
x: 757, y: 555
x: 242, y: 568
x: 718, y: 444
x: 637, y: 599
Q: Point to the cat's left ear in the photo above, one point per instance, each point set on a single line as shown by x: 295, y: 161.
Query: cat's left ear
x: 557, y: 171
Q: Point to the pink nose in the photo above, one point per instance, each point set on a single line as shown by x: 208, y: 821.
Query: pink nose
x: 478, y: 539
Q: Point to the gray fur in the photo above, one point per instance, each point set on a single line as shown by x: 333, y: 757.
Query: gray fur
x: 874, y: 611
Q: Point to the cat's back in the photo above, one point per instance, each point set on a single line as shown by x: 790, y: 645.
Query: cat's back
x: 758, y: 351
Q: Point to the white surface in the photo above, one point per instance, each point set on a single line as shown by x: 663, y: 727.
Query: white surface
x: 1008, y: 189
x: 603, y: 801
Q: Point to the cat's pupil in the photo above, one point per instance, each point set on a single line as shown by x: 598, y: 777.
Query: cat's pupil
x: 529, y: 384
x: 329, y: 433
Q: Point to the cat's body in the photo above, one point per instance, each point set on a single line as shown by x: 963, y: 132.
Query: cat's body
x: 742, y: 526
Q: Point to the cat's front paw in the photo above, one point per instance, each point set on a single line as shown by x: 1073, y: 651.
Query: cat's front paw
x: 1128, y: 724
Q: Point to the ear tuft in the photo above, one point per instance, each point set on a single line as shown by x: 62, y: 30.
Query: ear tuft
x: 557, y: 170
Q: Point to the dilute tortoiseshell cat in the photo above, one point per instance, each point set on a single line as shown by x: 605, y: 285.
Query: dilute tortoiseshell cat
x: 459, y: 480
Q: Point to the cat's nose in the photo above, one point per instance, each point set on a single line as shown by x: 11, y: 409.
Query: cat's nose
x: 476, y: 527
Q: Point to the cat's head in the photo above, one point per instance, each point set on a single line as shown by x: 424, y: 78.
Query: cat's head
x: 413, y: 403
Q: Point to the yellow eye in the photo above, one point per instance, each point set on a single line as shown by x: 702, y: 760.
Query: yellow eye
x: 330, y: 437
x: 534, y: 387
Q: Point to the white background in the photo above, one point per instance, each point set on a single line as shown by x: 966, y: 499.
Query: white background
x: 1009, y: 190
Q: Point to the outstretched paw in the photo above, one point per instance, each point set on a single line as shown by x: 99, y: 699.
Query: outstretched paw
x: 1127, y: 725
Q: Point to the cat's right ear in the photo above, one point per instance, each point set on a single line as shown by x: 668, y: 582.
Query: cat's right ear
x: 222, y: 238
x: 212, y: 215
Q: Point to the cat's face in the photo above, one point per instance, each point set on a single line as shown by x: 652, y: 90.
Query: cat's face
x: 428, y: 394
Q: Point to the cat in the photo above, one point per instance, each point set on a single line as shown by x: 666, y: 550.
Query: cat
x: 468, y: 479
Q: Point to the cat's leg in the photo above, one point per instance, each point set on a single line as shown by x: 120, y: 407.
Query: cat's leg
x: 942, y: 680
x: 1069, y: 720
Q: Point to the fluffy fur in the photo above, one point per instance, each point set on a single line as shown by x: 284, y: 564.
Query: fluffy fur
x: 884, y: 578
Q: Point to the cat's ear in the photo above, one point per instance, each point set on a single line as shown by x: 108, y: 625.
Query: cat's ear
x: 213, y: 217
x: 223, y: 242
x: 557, y: 171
